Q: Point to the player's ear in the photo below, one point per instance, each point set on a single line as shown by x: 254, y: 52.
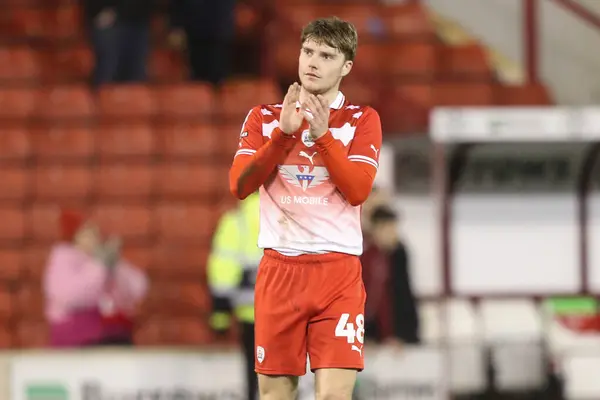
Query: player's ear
x: 347, y: 67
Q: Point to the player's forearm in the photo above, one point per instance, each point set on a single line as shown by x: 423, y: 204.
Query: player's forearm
x: 354, y: 180
x: 248, y: 173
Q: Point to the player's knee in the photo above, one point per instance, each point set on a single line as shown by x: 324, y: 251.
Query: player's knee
x: 334, y: 394
x: 335, y: 384
x: 277, y: 387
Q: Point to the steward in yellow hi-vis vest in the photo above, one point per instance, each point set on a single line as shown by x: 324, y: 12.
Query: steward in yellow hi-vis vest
x: 232, y: 267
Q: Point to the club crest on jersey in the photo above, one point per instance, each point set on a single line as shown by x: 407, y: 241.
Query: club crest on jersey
x: 304, y: 176
x: 306, y: 139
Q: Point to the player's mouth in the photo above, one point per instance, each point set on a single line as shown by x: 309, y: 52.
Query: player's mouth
x: 312, y: 76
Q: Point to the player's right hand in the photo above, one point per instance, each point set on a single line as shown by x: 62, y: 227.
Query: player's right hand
x: 291, y: 117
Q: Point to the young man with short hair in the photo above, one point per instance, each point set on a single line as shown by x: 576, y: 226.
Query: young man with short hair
x: 313, y: 159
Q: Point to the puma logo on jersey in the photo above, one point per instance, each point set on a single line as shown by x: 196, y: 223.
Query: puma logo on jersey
x: 310, y: 157
x: 375, y: 150
x: 358, y: 349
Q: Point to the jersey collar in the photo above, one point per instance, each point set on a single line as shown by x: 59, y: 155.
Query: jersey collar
x: 337, y: 103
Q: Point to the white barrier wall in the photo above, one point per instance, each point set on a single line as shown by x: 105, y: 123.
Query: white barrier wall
x: 512, y: 244
x: 416, y: 373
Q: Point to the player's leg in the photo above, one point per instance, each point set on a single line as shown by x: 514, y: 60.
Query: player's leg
x: 280, y: 328
x: 334, y: 383
x: 273, y: 387
x: 336, y: 334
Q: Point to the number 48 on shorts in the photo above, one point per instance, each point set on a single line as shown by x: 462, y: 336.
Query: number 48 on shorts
x: 352, y: 331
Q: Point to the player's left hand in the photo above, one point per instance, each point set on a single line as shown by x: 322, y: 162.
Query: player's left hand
x: 316, y: 112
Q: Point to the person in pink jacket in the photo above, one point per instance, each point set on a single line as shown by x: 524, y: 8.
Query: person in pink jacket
x: 91, y: 293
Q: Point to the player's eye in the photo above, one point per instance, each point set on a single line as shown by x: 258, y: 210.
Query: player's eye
x: 307, y: 51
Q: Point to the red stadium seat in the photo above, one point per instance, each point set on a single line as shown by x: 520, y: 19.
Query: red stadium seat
x: 13, y: 227
x: 59, y: 144
x: 188, y: 331
x: 174, y: 260
x: 167, y: 66
x: 409, y: 21
x: 62, y: 182
x: 69, y: 64
x: 185, y: 222
x: 7, y: 303
x: 189, y: 140
x: 124, y: 181
x: 186, y: 180
x: 15, y: 185
x: 11, y: 264
x: 132, y: 222
x: 43, y: 219
x: 229, y: 139
x: 19, y: 64
x: 15, y: 146
x: 141, y: 255
x: 523, y: 95
x: 35, y: 260
x: 467, y: 62
x: 406, y: 108
x: 135, y: 101
x: 124, y: 141
x: 63, y: 22
x: 17, y: 103
x: 370, y: 58
x: 412, y: 60
x: 30, y: 300
x: 66, y: 102
x: 195, y: 101
x: 239, y: 96
x: 463, y: 94
x: 32, y: 333
x: 360, y: 92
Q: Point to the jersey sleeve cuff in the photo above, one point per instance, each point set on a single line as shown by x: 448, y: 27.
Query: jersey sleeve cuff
x: 284, y: 140
x: 325, y: 141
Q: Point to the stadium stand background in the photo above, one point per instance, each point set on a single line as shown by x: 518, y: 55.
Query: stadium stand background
x: 150, y: 160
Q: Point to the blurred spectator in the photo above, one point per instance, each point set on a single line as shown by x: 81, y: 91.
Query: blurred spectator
x: 391, y: 311
x: 232, y: 268
x: 205, y: 28
x: 377, y: 198
x: 120, y: 35
x: 90, y: 291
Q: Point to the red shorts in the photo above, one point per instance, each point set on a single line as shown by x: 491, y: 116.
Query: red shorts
x: 309, y: 304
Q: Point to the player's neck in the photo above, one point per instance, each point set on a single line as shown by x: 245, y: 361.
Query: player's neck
x: 330, y: 96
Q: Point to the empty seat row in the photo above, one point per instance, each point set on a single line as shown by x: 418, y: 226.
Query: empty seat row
x: 410, y: 61
x: 25, y: 65
x: 192, y: 102
x: 188, y: 222
x: 114, y: 181
x: 373, y: 20
x: 137, y: 100
x: 162, y: 259
x: 121, y: 142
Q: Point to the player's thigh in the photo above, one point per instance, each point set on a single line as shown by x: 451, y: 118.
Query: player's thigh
x: 278, y: 387
x: 334, y: 383
x: 336, y: 336
x: 280, y: 326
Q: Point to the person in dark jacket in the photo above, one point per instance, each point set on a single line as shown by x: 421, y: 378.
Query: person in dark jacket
x: 205, y: 28
x: 391, y: 311
x: 120, y: 36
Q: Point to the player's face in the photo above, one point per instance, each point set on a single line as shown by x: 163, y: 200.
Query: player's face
x: 321, y: 67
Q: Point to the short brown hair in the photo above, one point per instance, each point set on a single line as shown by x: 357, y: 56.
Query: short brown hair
x: 333, y: 32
